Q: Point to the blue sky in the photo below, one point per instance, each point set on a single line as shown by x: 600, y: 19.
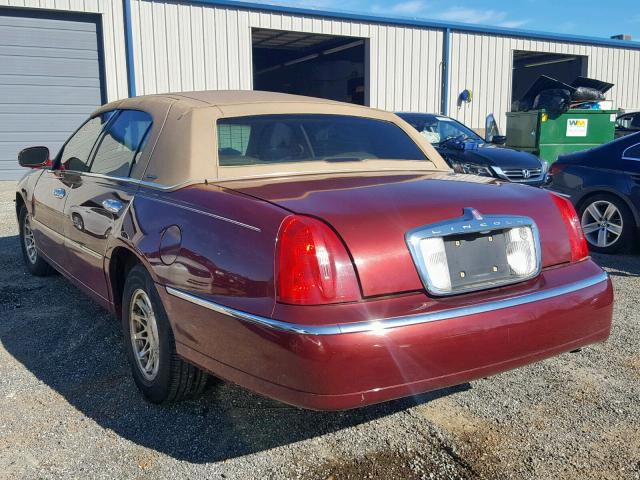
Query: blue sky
x: 586, y: 17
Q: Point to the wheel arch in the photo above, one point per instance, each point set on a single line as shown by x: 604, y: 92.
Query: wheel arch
x: 20, y: 202
x: 121, y: 261
x: 608, y: 191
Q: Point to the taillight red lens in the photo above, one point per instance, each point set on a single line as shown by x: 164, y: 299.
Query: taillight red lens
x: 313, y: 266
x: 556, y: 168
x: 577, y: 240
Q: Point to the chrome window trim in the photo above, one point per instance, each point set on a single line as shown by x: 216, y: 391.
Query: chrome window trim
x: 624, y: 153
x: 470, y: 222
x: 133, y: 181
x: 378, y: 325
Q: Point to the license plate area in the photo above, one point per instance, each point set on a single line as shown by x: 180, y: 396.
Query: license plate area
x: 475, y: 252
x: 477, y: 259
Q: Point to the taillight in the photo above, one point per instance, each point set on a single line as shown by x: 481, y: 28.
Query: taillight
x: 313, y: 266
x: 577, y: 240
x: 556, y: 168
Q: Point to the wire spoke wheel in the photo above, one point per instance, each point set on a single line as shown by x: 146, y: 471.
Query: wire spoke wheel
x: 602, y: 223
x: 143, y: 331
x: 29, y: 240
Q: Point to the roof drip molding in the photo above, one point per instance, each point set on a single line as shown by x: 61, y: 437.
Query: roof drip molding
x: 415, y: 22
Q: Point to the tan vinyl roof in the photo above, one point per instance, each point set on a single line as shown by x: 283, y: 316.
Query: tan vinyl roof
x: 215, y: 98
x: 182, y: 146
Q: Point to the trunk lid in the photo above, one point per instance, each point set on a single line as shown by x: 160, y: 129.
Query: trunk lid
x: 372, y: 213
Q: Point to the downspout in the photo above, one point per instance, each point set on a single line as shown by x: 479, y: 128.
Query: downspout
x: 128, y: 45
x: 446, y: 59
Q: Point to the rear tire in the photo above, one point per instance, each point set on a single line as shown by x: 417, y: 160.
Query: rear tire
x: 158, y: 372
x: 608, y: 224
x: 32, y: 259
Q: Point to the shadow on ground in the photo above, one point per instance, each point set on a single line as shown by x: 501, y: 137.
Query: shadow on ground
x: 619, y: 265
x: 75, y: 347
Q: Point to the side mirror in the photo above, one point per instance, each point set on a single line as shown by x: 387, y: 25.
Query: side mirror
x: 499, y: 140
x: 491, y: 130
x: 34, y: 157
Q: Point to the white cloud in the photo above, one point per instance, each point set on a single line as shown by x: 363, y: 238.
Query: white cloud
x: 513, y: 23
x: 414, y: 8
x: 470, y: 15
x: 312, y: 4
x: 410, y: 7
x: 452, y: 14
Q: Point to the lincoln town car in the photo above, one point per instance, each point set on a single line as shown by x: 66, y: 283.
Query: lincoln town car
x: 319, y: 253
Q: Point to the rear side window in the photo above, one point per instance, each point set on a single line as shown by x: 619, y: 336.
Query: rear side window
x: 122, y: 143
x: 74, y: 155
x: 269, y: 139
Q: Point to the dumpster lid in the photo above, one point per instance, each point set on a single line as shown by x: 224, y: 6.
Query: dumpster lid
x: 544, y: 83
x: 599, y: 85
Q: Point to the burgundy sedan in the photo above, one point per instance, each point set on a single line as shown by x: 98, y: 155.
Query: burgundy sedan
x: 316, y: 252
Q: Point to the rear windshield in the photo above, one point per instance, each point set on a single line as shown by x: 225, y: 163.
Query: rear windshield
x: 269, y: 139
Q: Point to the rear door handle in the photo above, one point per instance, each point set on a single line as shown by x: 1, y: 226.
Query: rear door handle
x: 112, y: 205
x: 59, y: 192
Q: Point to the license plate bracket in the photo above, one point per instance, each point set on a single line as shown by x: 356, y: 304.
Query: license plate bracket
x: 477, y: 259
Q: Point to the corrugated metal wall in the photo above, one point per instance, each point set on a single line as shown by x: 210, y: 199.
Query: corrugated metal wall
x: 483, y: 64
x: 113, y: 35
x: 183, y: 46
x: 191, y: 47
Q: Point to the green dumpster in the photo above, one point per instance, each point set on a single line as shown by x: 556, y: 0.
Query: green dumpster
x: 549, y: 136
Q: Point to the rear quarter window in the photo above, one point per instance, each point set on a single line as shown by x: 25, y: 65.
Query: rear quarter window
x: 632, y: 153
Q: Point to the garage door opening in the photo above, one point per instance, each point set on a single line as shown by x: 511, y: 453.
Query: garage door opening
x: 324, y: 66
x: 528, y: 66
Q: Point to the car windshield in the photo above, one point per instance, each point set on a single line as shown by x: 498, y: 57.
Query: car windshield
x: 269, y: 139
x: 439, y: 129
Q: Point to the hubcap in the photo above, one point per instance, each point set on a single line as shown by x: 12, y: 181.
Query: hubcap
x: 29, y: 241
x: 144, y: 334
x: 602, y: 223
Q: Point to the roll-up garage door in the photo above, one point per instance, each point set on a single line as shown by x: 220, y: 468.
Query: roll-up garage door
x: 50, y: 80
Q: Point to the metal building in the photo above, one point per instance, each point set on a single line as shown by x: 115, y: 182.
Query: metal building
x: 59, y: 59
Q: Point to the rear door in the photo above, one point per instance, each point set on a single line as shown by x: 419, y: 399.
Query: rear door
x: 98, y: 198
x: 631, y: 160
x: 52, y: 190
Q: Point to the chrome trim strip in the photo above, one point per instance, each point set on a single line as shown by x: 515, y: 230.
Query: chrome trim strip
x: 249, y: 317
x: 48, y: 229
x: 208, y: 214
x: 394, y: 322
x: 624, y: 153
x: 73, y: 243
x: 84, y: 249
x: 134, y: 181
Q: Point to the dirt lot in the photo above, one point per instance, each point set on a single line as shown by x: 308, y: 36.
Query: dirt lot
x: 69, y: 409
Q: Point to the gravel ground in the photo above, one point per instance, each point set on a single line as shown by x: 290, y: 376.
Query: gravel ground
x: 69, y: 408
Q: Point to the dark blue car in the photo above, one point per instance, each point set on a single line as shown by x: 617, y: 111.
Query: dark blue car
x: 467, y: 152
x: 604, y: 185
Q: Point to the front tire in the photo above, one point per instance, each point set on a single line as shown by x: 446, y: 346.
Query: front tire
x: 608, y: 224
x: 32, y: 259
x: 158, y: 372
